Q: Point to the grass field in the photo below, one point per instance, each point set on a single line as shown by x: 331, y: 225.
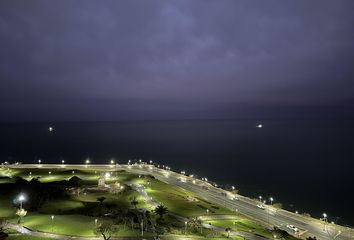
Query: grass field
x: 63, y: 224
x: 175, y: 199
x: 76, y: 225
x: 241, y: 224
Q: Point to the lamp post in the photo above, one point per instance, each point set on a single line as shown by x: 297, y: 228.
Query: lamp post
x: 271, y: 201
x: 21, y: 198
x: 96, y: 220
x: 260, y: 198
x: 324, y: 221
x: 185, y: 228
x: 52, y: 217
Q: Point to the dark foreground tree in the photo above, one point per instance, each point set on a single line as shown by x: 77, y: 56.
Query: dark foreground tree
x: 106, y: 229
x: 101, y: 200
x: 161, y: 210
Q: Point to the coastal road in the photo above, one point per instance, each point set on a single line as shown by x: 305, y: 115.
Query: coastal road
x: 268, y: 217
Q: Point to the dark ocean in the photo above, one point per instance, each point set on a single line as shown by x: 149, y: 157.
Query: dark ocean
x: 305, y: 164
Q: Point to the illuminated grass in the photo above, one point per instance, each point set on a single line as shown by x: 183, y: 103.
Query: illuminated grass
x: 242, y: 224
x: 77, y: 225
x: 175, y: 199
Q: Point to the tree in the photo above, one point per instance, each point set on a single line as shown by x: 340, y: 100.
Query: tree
x: 134, y: 201
x: 161, y: 210
x: 195, y: 223
x: 75, y: 181
x: 100, y: 200
x: 106, y: 229
x: 21, y: 213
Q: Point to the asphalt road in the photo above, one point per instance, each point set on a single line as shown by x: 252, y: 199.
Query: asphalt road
x: 268, y: 217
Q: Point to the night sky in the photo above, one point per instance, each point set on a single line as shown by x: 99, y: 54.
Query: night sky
x: 114, y: 60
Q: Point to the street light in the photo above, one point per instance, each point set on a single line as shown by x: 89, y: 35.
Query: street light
x: 52, y: 217
x: 96, y: 220
x: 62, y: 161
x: 324, y: 221
x: 260, y: 198
x: 39, y: 161
x: 207, y: 211
x: 112, y: 161
x: 21, y: 198
x: 185, y: 228
x: 271, y: 200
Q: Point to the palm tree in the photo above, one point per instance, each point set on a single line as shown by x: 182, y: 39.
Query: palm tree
x: 161, y: 210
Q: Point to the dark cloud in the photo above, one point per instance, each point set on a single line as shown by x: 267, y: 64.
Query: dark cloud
x: 63, y: 60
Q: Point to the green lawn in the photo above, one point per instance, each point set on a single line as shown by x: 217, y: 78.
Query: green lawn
x: 76, y: 225
x: 61, y: 206
x: 175, y: 199
x: 63, y: 224
x: 241, y: 224
x: 89, y: 176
